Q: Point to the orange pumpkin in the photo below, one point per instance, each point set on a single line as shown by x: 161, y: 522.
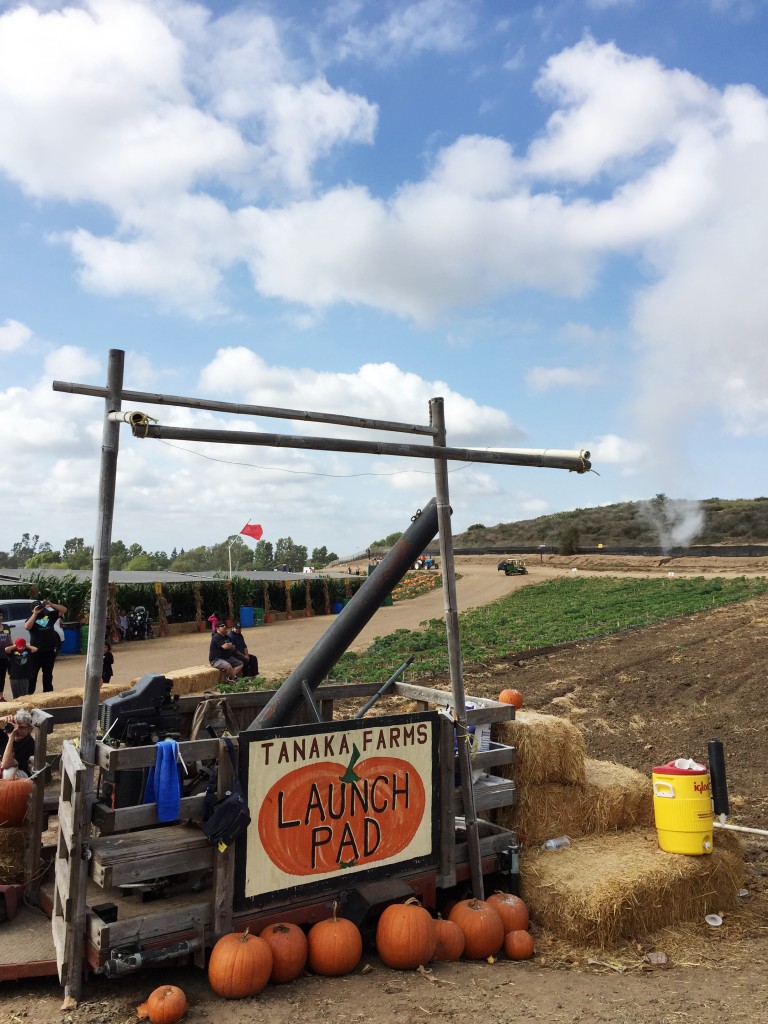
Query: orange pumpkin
x: 335, y: 946
x: 289, y: 951
x: 322, y: 817
x: 450, y: 940
x: 240, y: 965
x: 512, y: 911
x: 166, y: 1005
x: 14, y: 798
x: 518, y: 945
x: 405, y: 936
x: 511, y: 697
x: 482, y: 927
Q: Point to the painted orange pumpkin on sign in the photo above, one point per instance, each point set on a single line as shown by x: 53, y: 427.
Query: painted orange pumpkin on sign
x: 326, y: 816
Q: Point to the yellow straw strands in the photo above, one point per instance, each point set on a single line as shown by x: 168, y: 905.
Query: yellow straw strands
x: 622, y: 885
x: 549, y: 749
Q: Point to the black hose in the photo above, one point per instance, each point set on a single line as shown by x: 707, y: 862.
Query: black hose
x: 717, y: 777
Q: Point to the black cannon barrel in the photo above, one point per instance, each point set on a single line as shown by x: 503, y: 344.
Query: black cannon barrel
x: 360, y: 610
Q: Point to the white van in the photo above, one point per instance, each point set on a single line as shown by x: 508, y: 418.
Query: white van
x: 16, y: 611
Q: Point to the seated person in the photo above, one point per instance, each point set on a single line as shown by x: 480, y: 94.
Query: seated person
x: 17, y: 747
x: 249, y: 661
x: 221, y: 653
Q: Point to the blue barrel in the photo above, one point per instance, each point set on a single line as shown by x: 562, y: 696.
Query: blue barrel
x: 246, y: 616
x: 71, y: 644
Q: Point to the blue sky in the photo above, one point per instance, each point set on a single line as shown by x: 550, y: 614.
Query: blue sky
x: 552, y: 215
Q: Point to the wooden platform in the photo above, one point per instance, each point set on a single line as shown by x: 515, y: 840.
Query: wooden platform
x: 26, y: 946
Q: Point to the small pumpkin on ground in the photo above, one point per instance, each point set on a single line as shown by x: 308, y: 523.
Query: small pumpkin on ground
x: 289, y: 951
x: 165, y: 1005
x: 512, y: 911
x: 335, y: 946
x: 518, y: 945
x: 240, y: 965
x: 405, y: 936
x: 482, y: 927
x: 450, y: 941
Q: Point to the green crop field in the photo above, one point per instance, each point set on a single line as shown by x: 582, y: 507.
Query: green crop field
x: 556, y: 612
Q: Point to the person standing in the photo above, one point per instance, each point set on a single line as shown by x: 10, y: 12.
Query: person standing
x: 43, y: 637
x: 107, y: 670
x: 5, y: 641
x: 21, y: 665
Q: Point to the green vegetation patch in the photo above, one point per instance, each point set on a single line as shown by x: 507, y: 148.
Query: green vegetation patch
x: 556, y: 612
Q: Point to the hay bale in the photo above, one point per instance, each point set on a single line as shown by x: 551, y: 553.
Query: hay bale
x: 615, y: 797
x: 11, y: 856
x: 549, y: 749
x: 623, y: 886
x: 612, y: 797
x: 196, y: 679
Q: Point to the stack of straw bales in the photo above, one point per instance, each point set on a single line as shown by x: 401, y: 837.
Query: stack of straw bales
x: 561, y: 791
x: 623, y: 886
x: 613, y: 881
x: 196, y: 679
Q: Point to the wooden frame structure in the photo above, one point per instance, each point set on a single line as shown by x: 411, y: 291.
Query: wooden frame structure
x: 70, y: 907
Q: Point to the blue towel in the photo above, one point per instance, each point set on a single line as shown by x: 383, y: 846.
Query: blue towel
x: 163, y: 782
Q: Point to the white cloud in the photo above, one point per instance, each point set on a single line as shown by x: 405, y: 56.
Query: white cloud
x: 13, y: 336
x: 613, y: 450
x: 376, y: 391
x: 442, y: 26
x: 541, y: 378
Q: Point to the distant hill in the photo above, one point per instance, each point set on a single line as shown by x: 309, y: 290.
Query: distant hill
x: 660, y: 521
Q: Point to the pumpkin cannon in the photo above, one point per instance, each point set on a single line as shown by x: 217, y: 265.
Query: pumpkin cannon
x: 391, y: 823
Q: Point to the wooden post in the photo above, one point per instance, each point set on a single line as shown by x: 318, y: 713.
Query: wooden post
x: 437, y: 419
x: 73, y: 968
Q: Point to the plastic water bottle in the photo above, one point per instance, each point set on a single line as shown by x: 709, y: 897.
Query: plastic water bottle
x: 559, y: 843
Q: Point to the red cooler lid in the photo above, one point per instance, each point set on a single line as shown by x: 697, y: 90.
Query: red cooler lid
x: 681, y: 766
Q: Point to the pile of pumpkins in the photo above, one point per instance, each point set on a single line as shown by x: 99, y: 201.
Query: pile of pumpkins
x: 407, y: 937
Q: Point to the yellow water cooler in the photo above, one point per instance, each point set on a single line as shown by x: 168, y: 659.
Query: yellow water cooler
x: 682, y: 807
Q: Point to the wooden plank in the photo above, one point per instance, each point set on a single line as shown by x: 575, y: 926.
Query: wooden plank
x: 447, y: 854
x: 160, y: 866
x: 497, y: 755
x: 167, y: 924
x: 115, y: 759
x: 489, y: 794
x: 71, y: 765
x: 224, y: 863
x: 66, y: 822
x: 41, y: 723
x: 109, y: 821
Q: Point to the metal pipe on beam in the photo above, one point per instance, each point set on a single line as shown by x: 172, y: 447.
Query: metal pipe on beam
x: 362, y: 607
x: 576, y: 461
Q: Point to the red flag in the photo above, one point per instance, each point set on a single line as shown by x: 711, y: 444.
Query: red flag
x: 254, y: 531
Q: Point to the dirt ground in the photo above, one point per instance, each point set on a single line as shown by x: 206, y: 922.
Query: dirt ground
x: 641, y: 698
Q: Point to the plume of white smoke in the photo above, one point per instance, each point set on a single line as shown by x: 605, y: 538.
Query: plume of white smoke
x: 676, y: 521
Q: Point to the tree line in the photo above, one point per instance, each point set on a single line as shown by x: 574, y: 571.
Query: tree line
x: 31, y: 553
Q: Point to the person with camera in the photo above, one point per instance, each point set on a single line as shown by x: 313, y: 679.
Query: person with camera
x: 21, y: 664
x: 43, y: 636
x: 17, y: 747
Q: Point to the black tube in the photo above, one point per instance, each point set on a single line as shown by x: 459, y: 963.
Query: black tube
x: 717, y: 777
x: 362, y: 607
x: 383, y: 689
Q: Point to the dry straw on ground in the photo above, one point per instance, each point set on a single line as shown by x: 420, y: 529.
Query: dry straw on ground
x: 11, y: 856
x: 622, y: 885
x: 549, y: 749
